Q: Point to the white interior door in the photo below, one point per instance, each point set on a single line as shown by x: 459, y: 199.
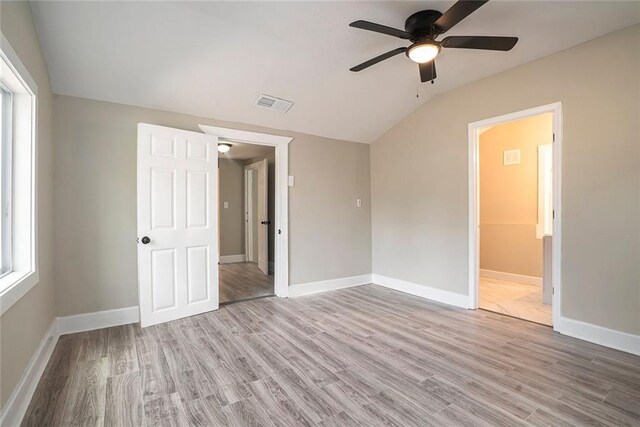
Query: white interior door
x: 177, y: 223
x: 263, y: 217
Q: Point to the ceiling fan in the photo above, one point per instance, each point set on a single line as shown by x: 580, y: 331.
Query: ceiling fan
x: 422, y: 29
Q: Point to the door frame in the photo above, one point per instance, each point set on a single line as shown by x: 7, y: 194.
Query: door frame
x: 248, y: 205
x: 474, y: 201
x: 281, y: 221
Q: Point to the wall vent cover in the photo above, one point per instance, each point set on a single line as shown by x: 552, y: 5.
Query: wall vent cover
x: 273, y: 103
x: 511, y: 157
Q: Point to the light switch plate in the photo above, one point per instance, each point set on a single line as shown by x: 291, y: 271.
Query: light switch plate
x: 292, y: 181
x: 226, y: 205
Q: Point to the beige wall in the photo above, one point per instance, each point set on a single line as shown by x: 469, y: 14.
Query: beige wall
x: 24, y: 325
x: 509, y: 196
x: 231, y: 175
x: 95, y: 203
x: 420, y: 178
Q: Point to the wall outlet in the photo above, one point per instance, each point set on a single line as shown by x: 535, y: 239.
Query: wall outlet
x: 359, y: 203
x: 225, y: 205
x: 292, y: 181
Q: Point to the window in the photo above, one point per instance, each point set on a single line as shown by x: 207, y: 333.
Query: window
x: 5, y: 181
x: 18, y: 240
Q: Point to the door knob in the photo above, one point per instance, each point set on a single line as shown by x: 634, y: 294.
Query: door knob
x: 146, y: 240
x: 265, y: 222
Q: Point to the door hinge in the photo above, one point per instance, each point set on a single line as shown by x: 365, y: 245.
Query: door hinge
x: 279, y: 231
x: 553, y: 214
x: 554, y: 137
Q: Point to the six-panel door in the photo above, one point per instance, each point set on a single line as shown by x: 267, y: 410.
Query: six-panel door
x: 177, y: 212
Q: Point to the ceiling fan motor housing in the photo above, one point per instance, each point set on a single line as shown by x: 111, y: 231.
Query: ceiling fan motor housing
x: 420, y: 25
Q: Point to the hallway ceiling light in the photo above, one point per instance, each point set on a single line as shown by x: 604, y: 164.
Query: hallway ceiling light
x: 224, y: 148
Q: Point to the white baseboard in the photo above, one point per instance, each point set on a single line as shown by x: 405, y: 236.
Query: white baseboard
x: 16, y: 407
x: 599, y: 335
x: 439, y: 295
x: 98, y: 320
x: 511, y: 277
x: 229, y: 259
x: 328, y: 285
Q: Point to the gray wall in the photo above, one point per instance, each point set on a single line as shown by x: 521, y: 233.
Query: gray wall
x: 332, y: 235
x: 420, y: 172
x: 23, y: 326
x: 231, y: 175
x: 95, y: 203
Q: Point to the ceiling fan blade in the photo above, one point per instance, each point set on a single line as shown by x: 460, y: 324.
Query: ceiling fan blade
x: 427, y: 71
x: 377, y: 59
x: 366, y: 25
x: 457, y: 13
x: 480, y: 42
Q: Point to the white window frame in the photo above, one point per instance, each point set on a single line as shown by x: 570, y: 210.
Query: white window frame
x: 6, y: 110
x: 23, y: 274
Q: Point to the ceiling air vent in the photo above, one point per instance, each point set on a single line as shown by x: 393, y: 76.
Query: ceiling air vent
x: 273, y: 103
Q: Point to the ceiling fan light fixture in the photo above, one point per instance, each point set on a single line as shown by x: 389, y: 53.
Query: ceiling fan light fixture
x: 224, y: 148
x: 423, y: 28
x: 423, y: 52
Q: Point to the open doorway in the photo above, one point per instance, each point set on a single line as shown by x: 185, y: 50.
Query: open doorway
x: 246, y: 209
x: 514, y: 179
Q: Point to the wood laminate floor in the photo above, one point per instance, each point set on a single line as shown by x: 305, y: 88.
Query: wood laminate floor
x: 365, y: 356
x: 514, y: 299
x: 243, y: 280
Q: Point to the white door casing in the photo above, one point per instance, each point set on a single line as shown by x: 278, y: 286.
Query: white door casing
x: 263, y: 217
x: 281, y: 218
x: 474, y: 129
x: 177, y: 211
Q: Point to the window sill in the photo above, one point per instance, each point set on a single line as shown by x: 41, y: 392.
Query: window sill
x: 14, y: 286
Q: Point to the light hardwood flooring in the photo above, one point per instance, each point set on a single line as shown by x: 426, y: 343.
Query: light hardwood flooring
x: 365, y: 356
x: 514, y: 299
x: 243, y: 280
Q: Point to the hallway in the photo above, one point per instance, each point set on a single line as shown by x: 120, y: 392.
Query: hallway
x: 243, y: 280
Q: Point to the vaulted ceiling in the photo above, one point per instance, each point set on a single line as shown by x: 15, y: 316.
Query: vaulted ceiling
x: 213, y: 59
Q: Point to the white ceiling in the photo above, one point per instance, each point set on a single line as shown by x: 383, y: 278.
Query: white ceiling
x: 213, y: 59
x: 244, y: 151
